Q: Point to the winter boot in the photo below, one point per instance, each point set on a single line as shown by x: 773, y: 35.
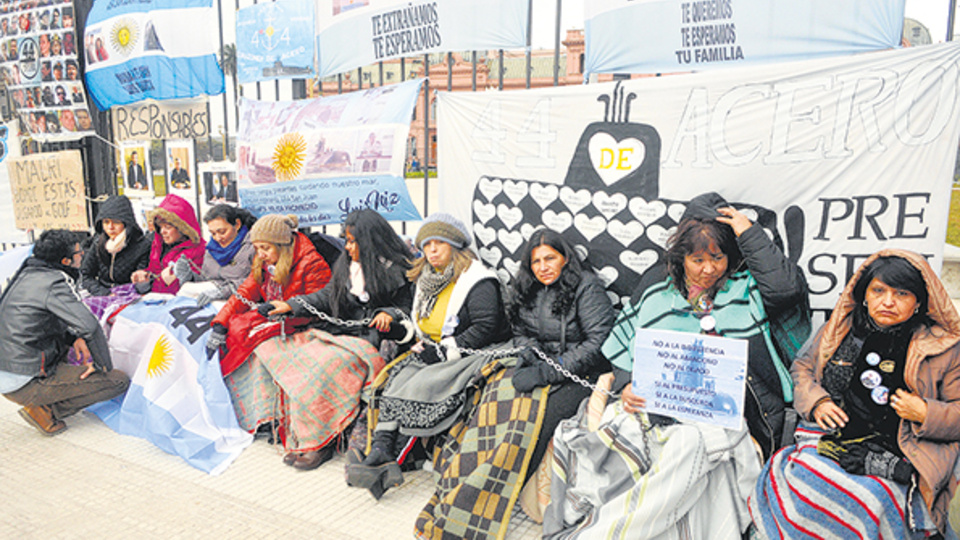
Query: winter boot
x: 379, y: 470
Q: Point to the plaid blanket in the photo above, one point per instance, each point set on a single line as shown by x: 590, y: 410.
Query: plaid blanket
x: 483, y: 459
x: 103, y: 308
x: 803, y: 494
x: 311, y: 381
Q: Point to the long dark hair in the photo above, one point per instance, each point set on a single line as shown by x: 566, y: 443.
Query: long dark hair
x: 695, y: 235
x: 230, y: 214
x: 384, y: 259
x: 898, y: 273
x: 526, y: 285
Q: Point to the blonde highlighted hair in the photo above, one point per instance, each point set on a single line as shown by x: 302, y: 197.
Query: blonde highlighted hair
x: 284, y: 265
x: 461, y: 260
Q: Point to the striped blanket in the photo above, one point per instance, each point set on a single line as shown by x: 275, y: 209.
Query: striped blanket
x: 801, y: 494
x: 311, y: 382
x: 630, y: 481
x: 483, y: 459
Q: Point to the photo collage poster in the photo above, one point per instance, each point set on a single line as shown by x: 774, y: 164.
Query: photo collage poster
x: 40, y: 68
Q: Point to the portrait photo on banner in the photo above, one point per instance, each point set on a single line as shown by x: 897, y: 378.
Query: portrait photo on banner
x: 135, y: 167
x: 219, y: 183
x: 180, y: 168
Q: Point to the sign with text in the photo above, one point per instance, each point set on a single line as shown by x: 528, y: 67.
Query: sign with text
x: 48, y: 191
x: 149, y: 120
x: 322, y: 158
x: 835, y: 158
x: 691, y: 376
x: 665, y: 36
x: 354, y: 33
x: 275, y: 40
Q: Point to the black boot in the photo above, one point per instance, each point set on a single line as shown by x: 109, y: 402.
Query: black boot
x: 378, y: 471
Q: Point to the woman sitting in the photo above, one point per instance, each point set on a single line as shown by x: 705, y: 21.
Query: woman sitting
x: 724, y: 277
x: 561, y: 309
x: 286, y: 265
x: 229, y: 254
x: 321, y: 372
x: 457, y: 305
x: 119, y: 248
x: 178, y: 235
x: 882, y: 382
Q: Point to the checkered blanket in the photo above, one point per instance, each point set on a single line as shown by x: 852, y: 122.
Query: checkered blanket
x: 483, y: 459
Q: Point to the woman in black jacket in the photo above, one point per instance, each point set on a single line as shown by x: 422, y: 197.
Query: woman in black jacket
x: 560, y: 308
x: 119, y: 248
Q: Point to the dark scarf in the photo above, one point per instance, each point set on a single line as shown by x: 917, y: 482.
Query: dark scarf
x: 225, y: 255
x: 429, y: 285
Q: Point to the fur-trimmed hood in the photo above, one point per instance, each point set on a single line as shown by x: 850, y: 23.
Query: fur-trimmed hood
x: 178, y: 212
x: 933, y: 341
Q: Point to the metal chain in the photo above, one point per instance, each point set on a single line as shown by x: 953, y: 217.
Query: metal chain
x: 493, y: 353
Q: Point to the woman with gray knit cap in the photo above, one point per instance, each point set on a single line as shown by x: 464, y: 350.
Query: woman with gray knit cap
x: 456, y: 306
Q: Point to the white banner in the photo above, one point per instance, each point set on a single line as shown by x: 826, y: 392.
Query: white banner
x: 836, y: 158
x: 354, y: 33
x: 665, y: 36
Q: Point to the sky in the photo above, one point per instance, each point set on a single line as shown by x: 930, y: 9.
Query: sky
x: 931, y: 13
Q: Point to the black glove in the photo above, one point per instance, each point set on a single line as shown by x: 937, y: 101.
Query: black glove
x: 527, y: 358
x: 217, y: 339
x: 432, y: 354
x: 526, y: 378
x: 264, y: 309
x: 874, y: 460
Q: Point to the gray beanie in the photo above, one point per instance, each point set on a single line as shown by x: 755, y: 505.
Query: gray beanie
x: 444, y: 227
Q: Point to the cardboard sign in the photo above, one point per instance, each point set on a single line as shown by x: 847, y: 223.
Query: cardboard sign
x: 692, y: 377
x: 150, y: 120
x: 48, y: 191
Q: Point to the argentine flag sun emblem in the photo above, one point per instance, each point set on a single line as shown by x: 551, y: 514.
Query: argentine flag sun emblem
x: 161, y: 358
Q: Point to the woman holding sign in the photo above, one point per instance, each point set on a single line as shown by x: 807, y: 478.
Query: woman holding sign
x: 724, y: 277
x: 880, y: 389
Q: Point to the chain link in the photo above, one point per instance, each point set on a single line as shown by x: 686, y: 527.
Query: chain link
x: 493, y: 353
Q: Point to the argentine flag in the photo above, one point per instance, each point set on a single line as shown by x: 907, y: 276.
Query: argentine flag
x: 177, y: 399
x: 159, y: 49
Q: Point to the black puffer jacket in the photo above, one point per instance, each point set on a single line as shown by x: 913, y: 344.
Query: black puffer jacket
x: 400, y: 301
x: 582, y: 331
x: 101, y: 270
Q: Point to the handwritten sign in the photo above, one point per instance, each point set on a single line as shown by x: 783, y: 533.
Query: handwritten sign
x: 148, y: 120
x: 691, y: 376
x: 48, y: 191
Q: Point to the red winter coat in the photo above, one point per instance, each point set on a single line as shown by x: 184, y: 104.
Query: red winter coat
x: 246, y: 328
x: 178, y: 212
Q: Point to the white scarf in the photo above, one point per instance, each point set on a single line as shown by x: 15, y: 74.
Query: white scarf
x: 117, y: 243
x: 358, y: 285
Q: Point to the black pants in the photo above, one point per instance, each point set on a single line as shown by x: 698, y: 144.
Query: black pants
x: 562, y: 403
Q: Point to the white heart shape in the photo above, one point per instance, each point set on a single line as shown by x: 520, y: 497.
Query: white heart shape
x: 609, y: 205
x: 608, y: 274
x: 676, y: 211
x: 612, y: 159
x: 659, y: 236
x: 750, y: 213
x: 589, y: 227
x: 484, y: 212
x: 509, y: 216
x: 491, y: 255
x: 639, y: 262
x: 527, y: 230
x: 504, y: 276
x: 486, y: 235
x: 582, y: 251
x: 625, y: 233
x: 557, y: 221
x: 647, y: 212
x: 575, y: 200
x: 512, y: 266
x: 490, y: 187
x: 544, y: 195
x: 512, y: 240
x: 516, y: 191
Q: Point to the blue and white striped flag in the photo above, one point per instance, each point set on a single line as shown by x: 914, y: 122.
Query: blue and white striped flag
x: 177, y: 399
x: 151, y: 49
